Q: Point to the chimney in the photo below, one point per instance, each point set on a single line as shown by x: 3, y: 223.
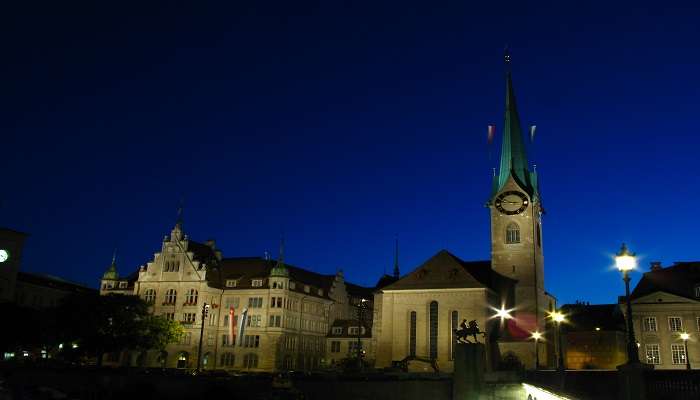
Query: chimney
x: 656, y: 265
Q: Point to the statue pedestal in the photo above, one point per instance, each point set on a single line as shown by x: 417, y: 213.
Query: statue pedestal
x: 469, y: 367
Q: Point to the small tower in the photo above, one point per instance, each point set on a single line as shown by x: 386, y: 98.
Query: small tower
x: 396, y: 260
x: 279, y: 274
x: 110, y: 277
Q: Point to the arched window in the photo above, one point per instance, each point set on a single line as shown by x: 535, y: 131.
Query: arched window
x: 512, y: 233
x: 539, y: 236
x: 205, y: 360
x: 167, y: 267
x: 176, y: 266
x: 433, y: 324
x: 182, y: 360
x: 170, y: 296
x: 412, y: 333
x: 149, y: 296
x: 227, y: 359
x: 191, y: 297
x: 250, y: 360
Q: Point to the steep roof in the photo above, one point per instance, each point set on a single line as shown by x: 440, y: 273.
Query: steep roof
x: 444, y: 270
x: 245, y: 269
x: 53, y: 282
x: 513, y: 154
x: 679, y: 279
x: 587, y: 317
x: 201, y: 251
x: 345, y: 324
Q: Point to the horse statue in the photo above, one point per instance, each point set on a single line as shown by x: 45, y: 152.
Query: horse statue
x: 471, y: 329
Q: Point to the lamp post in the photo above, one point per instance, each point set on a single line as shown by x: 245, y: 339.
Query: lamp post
x: 685, y: 336
x: 205, y: 312
x: 360, y: 315
x: 626, y: 262
x: 537, y: 336
x: 558, y: 318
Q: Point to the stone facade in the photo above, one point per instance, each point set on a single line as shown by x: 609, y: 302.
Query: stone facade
x: 288, y: 309
x: 665, y: 304
x: 11, y: 246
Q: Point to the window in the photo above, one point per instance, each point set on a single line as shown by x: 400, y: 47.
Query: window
x: 675, y: 324
x: 255, y: 302
x: 650, y: 324
x: 355, y: 330
x: 539, y: 236
x: 225, y: 341
x: 170, y: 296
x: 149, y: 296
x: 186, y: 338
x: 275, y: 302
x: 320, y: 292
x: 275, y: 321
x: 412, y: 333
x: 227, y: 359
x: 653, y: 355
x: 337, y: 330
x: 335, y: 347
x: 698, y: 322
x: 122, y: 285
x: 188, y: 318
x: 433, y: 324
x: 292, y: 285
x: 254, y: 320
x: 232, y: 302
x: 250, y: 361
x: 191, y: 297
x: 231, y: 283
x: 257, y: 283
x: 307, y: 289
x: 210, y: 339
x: 697, y: 291
x: 512, y: 233
x: 169, y: 316
x: 678, y: 354
x: 251, y: 341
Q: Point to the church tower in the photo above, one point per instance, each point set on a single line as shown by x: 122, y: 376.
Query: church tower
x: 516, y: 220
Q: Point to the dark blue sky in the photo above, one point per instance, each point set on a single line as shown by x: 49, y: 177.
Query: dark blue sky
x: 343, y: 123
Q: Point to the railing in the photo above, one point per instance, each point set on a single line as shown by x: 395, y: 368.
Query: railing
x: 672, y: 384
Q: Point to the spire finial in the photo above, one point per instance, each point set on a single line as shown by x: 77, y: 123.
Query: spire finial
x: 506, y: 58
x: 114, y: 257
x: 396, y: 259
x: 179, y: 212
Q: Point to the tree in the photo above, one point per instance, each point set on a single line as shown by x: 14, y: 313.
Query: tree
x: 112, y: 323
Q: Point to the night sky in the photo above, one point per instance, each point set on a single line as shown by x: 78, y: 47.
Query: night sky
x: 343, y: 124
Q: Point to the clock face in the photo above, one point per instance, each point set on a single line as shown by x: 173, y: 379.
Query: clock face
x: 4, y: 255
x: 511, y: 202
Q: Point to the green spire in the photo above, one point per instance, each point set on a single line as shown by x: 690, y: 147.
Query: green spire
x: 111, y: 272
x: 396, y: 260
x: 513, y: 155
x: 279, y: 269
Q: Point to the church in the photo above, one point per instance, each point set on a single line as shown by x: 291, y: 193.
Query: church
x: 416, y: 316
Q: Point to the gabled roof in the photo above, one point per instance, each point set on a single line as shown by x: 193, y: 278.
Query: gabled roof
x: 679, y: 279
x: 245, y: 269
x: 347, y: 323
x: 201, y: 251
x: 587, y: 317
x: 444, y: 270
x: 53, y: 282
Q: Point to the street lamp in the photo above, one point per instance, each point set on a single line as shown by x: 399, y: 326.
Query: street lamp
x: 626, y: 262
x: 558, y: 318
x: 685, y: 336
x: 360, y: 317
x: 205, y: 312
x: 537, y: 336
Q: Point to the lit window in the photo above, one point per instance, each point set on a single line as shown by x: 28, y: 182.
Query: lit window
x: 307, y: 289
x: 678, y: 354
x: 292, y: 285
x: 512, y: 233
x: 337, y: 330
x: 675, y: 324
x: 650, y: 324
x: 122, y: 285
x: 231, y: 282
x: 228, y: 359
x: 257, y: 282
x: 653, y: 354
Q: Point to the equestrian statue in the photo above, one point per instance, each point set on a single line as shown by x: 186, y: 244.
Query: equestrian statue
x: 471, y: 329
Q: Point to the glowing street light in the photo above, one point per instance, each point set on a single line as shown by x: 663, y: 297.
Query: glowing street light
x: 503, y: 314
x: 626, y: 262
x: 537, y: 336
x: 685, y: 336
x: 559, y: 317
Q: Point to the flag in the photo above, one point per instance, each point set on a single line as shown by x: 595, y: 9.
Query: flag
x: 492, y: 132
x: 241, y: 326
x: 231, y: 324
x: 532, y: 133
